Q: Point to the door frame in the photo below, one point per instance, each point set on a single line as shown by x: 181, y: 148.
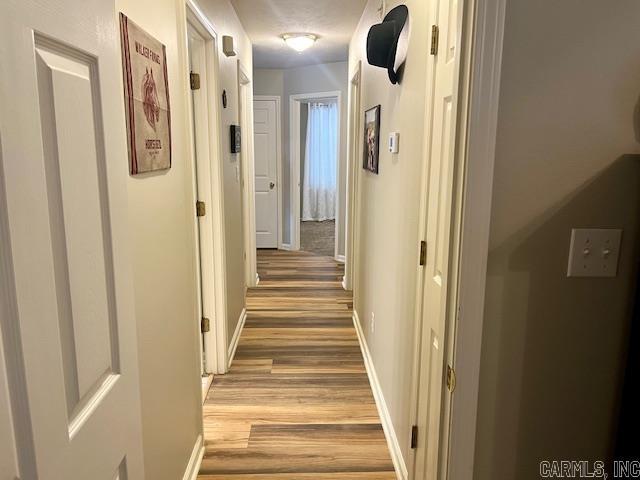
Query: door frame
x: 278, y: 101
x: 245, y: 118
x: 481, y: 59
x: 351, y: 234
x: 209, y: 150
x: 481, y: 80
x: 294, y: 164
x: 11, y: 354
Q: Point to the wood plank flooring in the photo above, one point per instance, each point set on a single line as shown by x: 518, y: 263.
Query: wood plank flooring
x: 296, y: 403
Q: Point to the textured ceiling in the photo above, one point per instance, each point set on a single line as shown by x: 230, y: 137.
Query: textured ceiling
x: 334, y: 21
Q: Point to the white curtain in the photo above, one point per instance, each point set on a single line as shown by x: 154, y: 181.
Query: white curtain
x: 321, y: 155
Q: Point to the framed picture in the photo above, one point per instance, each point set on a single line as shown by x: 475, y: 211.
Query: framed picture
x: 146, y: 99
x: 372, y: 139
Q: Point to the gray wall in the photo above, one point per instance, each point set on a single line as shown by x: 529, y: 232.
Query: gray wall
x: 164, y: 264
x: 311, y: 79
x: 554, y: 347
x: 387, y: 270
x: 163, y: 261
x: 268, y: 82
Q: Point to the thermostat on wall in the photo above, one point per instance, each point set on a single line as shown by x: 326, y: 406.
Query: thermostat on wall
x: 394, y: 139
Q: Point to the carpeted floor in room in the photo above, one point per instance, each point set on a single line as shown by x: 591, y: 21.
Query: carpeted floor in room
x: 318, y: 237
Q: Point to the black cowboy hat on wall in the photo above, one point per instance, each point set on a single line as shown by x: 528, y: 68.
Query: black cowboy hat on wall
x: 387, y: 42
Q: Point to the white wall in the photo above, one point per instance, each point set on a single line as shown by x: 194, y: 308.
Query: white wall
x: 312, y: 79
x: 554, y: 347
x: 388, y: 211
x: 226, y: 22
x: 162, y: 231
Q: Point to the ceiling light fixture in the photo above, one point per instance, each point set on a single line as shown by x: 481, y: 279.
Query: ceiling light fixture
x: 299, y: 41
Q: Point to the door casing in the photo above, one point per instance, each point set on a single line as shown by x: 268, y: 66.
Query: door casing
x: 245, y: 107
x: 354, y: 144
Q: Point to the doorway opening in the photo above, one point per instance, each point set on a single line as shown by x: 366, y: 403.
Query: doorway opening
x: 353, y: 159
x: 314, y: 172
x: 249, y: 192
x: 317, y: 161
x: 208, y: 190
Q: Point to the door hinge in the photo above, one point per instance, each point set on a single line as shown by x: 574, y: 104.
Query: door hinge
x: 451, y: 379
x: 194, y: 81
x: 435, y: 37
x: 201, y: 209
x: 205, y: 325
x: 414, y: 436
x: 423, y: 252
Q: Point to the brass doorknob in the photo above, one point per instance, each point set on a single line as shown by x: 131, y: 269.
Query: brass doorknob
x: 271, y: 185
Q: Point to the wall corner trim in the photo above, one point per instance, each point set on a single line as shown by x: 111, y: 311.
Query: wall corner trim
x: 193, y: 467
x: 389, y: 432
x: 236, y: 337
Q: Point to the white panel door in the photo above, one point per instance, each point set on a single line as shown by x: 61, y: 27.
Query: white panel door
x: 432, y: 443
x: 65, y: 169
x: 266, y: 154
x: 8, y: 447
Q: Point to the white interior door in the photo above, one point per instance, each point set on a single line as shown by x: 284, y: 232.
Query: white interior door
x: 266, y: 161
x: 432, y: 420
x: 9, y: 469
x: 203, y: 163
x: 204, y: 237
x: 65, y: 165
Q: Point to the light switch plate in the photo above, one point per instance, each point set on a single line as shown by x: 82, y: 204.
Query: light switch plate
x: 594, y: 252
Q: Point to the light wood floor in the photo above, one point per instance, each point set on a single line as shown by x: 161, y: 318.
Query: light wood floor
x: 296, y: 404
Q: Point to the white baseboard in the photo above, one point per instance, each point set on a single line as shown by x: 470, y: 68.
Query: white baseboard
x: 236, y: 337
x: 389, y: 432
x: 285, y: 246
x: 340, y: 258
x: 257, y: 279
x: 193, y: 467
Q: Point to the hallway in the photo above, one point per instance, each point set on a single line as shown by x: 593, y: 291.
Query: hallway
x: 296, y: 402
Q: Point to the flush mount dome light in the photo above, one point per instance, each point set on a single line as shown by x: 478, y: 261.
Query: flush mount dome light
x: 299, y: 41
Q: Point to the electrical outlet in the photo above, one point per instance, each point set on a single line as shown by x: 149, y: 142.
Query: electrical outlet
x: 372, y: 323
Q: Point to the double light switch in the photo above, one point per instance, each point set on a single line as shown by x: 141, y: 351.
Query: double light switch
x: 594, y: 252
